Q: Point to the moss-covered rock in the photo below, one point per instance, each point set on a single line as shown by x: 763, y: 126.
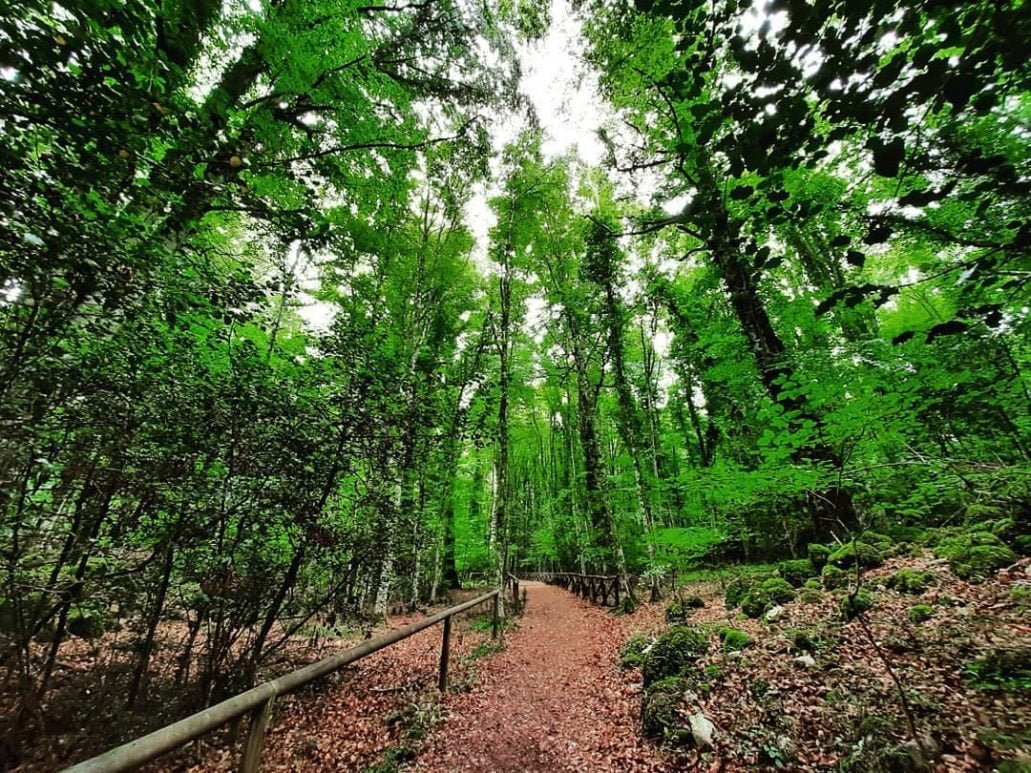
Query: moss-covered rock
x: 735, y: 591
x: 849, y: 554
x: 920, y: 613
x: 809, y: 596
x: 855, y: 604
x: 633, y: 651
x: 975, y: 555
x: 818, y: 555
x: 733, y: 639
x: 796, y: 572
x: 674, y: 651
x: 755, y: 602
x: 813, y: 583
x: 778, y: 589
x: 833, y: 578
x: 86, y: 625
x: 675, y: 612
x: 914, y: 581
x: 660, y: 706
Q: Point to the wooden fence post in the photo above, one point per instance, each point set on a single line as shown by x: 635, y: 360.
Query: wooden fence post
x: 445, y: 653
x: 495, y: 619
x: 251, y: 761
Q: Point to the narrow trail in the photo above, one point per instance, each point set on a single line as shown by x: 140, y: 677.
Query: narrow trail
x: 553, y: 700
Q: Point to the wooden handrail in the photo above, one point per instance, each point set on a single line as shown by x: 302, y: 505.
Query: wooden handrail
x: 596, y: 588
x: 258, y: 700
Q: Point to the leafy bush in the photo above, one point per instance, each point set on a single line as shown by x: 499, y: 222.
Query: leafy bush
x: 659, y: 707
x: 733, y: 639
x: 633, y: 651
x: 778, y: 590
x: 675, y: 612
x: 914, y: 581
x: 851, y: 553
x: 833, y: 578
x: 974, y: 555
x: 673, y: 652
x: 920, y: 613
x: 796, y: 572
x: 818, y: 555
x: 855, y: 604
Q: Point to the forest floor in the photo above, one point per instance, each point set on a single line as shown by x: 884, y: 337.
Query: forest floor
x: 809, y: 692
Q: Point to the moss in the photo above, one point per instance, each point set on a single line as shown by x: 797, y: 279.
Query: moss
x: 1020, y: 596
x: 736, y: 590
x: 851, y: 553
x: 632, y: 653
x: 813, y: 583
x: 974, y: 555
x: 804, y: 640
x: 810, y: 596
x: 694, y: 601
x: 914, y: 581
x: 833, y: 578
x: 920, y: 613
x: 855, y: 604
x: 796, y: 572
x: 660, y: 706
x: 755, y: 602
x: 86, y: 625
x: 673, y: 652
x: 733, y: 639
x: 778, y: 589
x: 880, y: 541
x: 818, y: 555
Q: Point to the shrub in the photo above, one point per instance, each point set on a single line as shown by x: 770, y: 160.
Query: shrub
x: 818, y: 555
x: 796, y: 572
x: 851, y: 553
x: 778, y: 589
x: 673, y: 652
x: 920, y: 613
x: 633, y: 651
x: 733, y: 639
x: 813, y: 583
x: 833, y: 578
x: 660, y: 704
x: 974, y: 555
x: 855, y: 604
x: 675, y: 612
x: 914, y: 581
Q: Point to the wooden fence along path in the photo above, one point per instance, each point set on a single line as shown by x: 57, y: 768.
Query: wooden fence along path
x: 258, y: 701
x: 596, y: 588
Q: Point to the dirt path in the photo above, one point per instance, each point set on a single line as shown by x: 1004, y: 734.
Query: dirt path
x: 553, y: 700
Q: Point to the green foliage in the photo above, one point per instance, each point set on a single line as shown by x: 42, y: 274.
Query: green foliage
x: 974, y: 555
x: 733, y: 639
x: 849, y: 554
x: 660, y: 706
x: 855, y: 604
x: 796, y: 572
x: 778, y: 590
x: 818, y: 554
x: 755, y: 602
x: 673, y: 652
x: 634, y: 650
x: 914, y: 581
x: 1001, y: 669
x: 920, y: 613
x: 833, y: 578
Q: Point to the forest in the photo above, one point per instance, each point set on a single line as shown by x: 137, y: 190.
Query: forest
x: 310, y: 317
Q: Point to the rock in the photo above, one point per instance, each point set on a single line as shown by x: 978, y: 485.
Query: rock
x: 702, y: 730
x: 774, y: 614
x: 805, y: 661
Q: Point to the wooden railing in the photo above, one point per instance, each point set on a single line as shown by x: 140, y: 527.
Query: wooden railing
x: 596, y: 588
x: 258, y: 701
